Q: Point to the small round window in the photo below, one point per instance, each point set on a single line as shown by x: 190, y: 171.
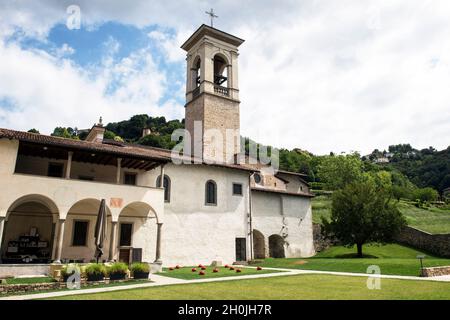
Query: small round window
x: 257, y: 178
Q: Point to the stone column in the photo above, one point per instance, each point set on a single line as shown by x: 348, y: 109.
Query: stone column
x: 2, y: 225
x: 112, y: 241
x: 60, y: 240
x: 118, y: 172
x: 69, y: 164
x: 158, y: 243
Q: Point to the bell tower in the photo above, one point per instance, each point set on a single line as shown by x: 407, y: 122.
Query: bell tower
x: 212, y: 94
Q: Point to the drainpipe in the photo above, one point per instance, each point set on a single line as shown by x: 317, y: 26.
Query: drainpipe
x: 250, y: 216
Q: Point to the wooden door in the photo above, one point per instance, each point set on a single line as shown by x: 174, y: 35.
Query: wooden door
x: 241, y: 249
x: 124, y: 255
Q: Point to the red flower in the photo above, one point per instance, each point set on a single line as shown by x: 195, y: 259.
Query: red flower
x: 170, y: 269
x: 194, y: 270
x: 203, y: 268
x: 215, y: 270
x: 200, y: 265
x: 202, y: 273
x: 226, y: 266
x: 258, y: 268
x: 238, y: 270
x: 177, y: 267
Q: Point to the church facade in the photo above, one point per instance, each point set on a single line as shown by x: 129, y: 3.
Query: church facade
x: 207, y: 204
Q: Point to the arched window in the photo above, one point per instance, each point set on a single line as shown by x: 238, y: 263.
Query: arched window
x: 196, y: 70
x: 220, y: 71
x: 166, y: 187
x: 210, y: 193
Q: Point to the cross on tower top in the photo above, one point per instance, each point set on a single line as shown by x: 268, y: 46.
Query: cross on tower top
x: 212, y: 15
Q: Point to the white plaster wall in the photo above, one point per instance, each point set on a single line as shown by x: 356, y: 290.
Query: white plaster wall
x: 267, y: 216
x: 295, y: 184
x: 144, y: 236
x: 196, y: 233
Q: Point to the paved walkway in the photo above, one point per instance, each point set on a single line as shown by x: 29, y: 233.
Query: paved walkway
x: 158, y: 280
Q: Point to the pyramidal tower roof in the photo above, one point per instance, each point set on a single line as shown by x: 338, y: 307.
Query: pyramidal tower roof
x: 205, y: 30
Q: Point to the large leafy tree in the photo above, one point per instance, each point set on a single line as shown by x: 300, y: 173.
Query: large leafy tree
x: 363, y: 213
x: 338, y: 171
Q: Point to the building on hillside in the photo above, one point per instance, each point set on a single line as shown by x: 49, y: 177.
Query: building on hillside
x: 159, y: 211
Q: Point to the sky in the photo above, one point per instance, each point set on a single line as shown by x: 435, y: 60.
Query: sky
x: 319, y: 75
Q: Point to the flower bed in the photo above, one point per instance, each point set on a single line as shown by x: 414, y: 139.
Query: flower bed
x: 52, y: 286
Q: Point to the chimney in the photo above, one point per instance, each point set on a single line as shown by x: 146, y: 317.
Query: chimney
x: 96, y: 133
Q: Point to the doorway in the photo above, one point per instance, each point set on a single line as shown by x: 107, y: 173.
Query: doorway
x: 241, y: 249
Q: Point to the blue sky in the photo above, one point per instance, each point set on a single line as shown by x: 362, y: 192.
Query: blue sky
x: 314, y: 74
x: 88, y: 46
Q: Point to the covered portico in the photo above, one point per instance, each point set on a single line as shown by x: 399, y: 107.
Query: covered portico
x: 35, y: 229
x: 51, y: 190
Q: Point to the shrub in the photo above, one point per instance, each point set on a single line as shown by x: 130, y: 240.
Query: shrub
x: 140, y: 267
x: 118, y: 268
x: 426, y: 194
x: 66, y: 267
x: 96, y: 269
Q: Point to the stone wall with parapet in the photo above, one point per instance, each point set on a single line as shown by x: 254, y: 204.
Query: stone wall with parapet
x: 437, y: 244
x: 321, y: 240
x: 436, y: 271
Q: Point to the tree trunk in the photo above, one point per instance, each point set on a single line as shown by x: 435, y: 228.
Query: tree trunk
x: 359, y: 247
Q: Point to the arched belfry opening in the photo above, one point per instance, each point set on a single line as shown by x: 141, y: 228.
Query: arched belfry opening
x: 220, y: 71
x: 196, y: 72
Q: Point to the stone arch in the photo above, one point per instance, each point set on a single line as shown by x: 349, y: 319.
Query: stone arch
x: 81, y: 219
x: 87, y: 206
x: 138, y: 209
x: 137, y: 232
x: 259, y: 246
x: 276, y: 246
x: 32, y: 217
x: 36, y: 198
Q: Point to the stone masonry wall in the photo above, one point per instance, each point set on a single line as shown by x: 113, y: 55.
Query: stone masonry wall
x: 321, y: 241
x: 436, y: 271
x: 437, y: 244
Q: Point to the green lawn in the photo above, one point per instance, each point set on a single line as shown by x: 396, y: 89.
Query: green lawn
x: 392, y: 259
x: 187, y: 274
x: 29, y: 280
x: 432, y: 219
x: 321, y: 207
x: 285, y: 287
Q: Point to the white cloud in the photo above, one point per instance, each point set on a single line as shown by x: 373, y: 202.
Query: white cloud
x: 53, y: 93
x: 319, y: 75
